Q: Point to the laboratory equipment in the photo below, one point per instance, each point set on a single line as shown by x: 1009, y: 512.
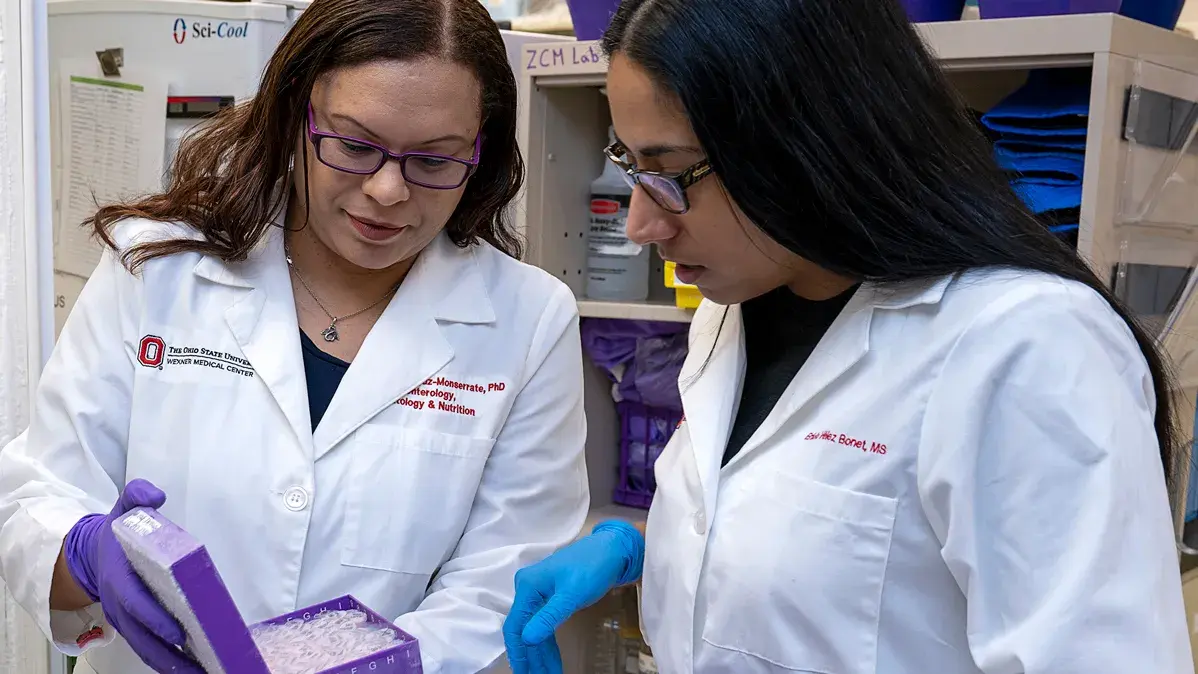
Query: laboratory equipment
x: 617, y: 268
x: 207, y: 55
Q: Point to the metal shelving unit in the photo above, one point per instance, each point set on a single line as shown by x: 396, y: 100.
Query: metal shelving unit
x: 1139, y: 200
x: 639, y: 311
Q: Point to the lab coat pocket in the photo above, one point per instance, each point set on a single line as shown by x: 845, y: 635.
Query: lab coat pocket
x: 411, y: 495
x: 795, y: 577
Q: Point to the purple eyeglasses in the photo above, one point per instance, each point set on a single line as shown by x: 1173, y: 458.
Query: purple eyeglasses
x: 361, y: 157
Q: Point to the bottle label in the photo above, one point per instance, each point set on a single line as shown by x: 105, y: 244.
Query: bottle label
x: 609, y: 213
x: 647, y: 664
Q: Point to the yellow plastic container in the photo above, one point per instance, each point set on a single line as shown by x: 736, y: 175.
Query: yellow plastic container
x: 686, y: 296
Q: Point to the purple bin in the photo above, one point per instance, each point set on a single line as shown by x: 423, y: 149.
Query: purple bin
x: 644, y: 433
x: 1006, y: 9
x: 1161, y: 13
x: 590, y: 17
x: 925, y: 11
x: 180, y: 573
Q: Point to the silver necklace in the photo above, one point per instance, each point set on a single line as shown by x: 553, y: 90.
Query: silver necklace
x: 330, y: 333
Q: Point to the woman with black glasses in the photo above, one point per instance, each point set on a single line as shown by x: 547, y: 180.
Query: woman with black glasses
x: 921, y: 436
x: 318, y: 353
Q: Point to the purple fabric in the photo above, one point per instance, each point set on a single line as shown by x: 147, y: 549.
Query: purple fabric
x: 651, y: 352
x: 610, y: 341
x: 652, y: 378
x: 99, y: 565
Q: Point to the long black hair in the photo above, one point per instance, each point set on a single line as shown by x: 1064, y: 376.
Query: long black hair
x: 861, y: 139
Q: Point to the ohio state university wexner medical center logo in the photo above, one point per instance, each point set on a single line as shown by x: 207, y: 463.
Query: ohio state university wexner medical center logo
x: 153, y: 352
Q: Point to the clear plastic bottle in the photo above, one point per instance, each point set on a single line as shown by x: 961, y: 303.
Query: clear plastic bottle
x: 645, y: 662
x: 605, y: 646
x: 617, y: 269
x: 632, y: 642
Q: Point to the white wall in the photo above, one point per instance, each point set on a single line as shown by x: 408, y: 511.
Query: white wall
x: 22, y: 648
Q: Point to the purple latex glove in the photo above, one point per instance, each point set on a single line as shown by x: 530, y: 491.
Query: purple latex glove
x: 98, y: 563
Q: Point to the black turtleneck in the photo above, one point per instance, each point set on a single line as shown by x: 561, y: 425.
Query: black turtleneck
x: 781, y: 330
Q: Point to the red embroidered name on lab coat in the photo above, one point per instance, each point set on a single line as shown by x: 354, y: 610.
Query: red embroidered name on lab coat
x: 848, y: 441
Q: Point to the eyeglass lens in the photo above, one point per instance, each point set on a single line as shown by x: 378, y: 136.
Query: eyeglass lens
x: 663, y: 190
x: 423, y: 169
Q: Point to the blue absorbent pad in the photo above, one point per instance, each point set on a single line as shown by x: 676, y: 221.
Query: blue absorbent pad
x: 1041, y: 197
x: 1015, y: 142
x: 1062, y: 164
x: 1051, y: 104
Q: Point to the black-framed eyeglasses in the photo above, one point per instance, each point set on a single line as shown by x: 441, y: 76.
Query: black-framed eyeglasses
x: 667, y: 190
x: 362, y: 157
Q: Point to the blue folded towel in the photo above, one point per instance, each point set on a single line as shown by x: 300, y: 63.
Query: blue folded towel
x: 1051, y: 166
x: 1016, y: 143
x: 1041, y: 197
x: 1051, y: 104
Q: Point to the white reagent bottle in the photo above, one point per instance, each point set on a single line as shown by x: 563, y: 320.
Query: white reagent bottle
x: 617, y: 269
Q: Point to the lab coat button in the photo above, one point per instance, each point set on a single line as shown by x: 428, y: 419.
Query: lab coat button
x: 295, y: 498
x: 700, y: 523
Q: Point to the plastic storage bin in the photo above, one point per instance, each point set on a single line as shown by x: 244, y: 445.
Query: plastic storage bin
x: 1005, y: 9
x: 1162, y: 13
x: 590, y: 17
x: 644, y: 432
x: 686, y: 296
x: 921, y: 11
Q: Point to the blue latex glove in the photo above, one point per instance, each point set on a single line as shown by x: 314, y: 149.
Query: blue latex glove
x: 98, y: 564
x: 569, y: 580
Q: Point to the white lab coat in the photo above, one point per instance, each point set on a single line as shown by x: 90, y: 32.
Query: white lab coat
x: 450, y: 456
x: 963, y: 478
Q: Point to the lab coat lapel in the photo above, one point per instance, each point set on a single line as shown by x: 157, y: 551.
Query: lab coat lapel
x: 709, y: 384
x: 842, y: 346
x: 406, y: 346
x: 265, y: 325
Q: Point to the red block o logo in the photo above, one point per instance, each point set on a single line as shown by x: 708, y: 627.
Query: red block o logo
x: 152, y: 351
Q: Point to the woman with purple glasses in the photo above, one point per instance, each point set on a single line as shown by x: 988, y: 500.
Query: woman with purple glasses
x: 921, y: 435
x: 317, y: 352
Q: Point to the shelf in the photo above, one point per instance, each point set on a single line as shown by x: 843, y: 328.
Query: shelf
x: 612, y: 512
x: 638, y: 311
x: 984, y: 44
x: 1048, y: 41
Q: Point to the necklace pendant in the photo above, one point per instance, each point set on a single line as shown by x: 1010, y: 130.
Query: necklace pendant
x: 330, y: 333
